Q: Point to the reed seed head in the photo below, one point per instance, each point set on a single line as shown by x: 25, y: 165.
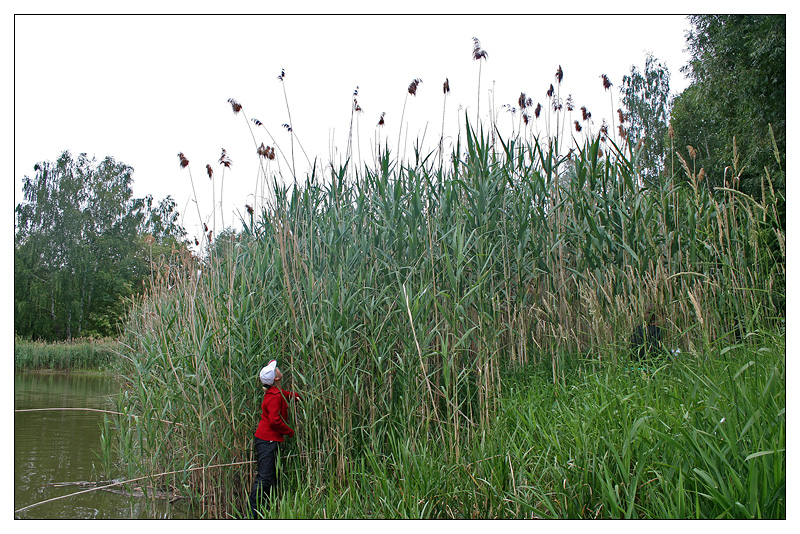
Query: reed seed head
x: 477, y: 52
x: 701, y: 174
x: 184, y: 161
x: 412, y: 87
x: 446, y: 86
x: 235, y: 106
x: 380, y: 120
x: 684, y: 165
x: 692, y: 151
x: 585, y: 113
x: 570, y: 103
x: 248, y: 207
x: 671, y: 131
x: 606, y: 82
x: 287, y: 127
x: 578, y: 126
x: 256, y: 122
x: 551, y: 91
x: 281, y: 75
x: 559, y: 74
x: 210, y: 171
x: 225, y: 160
x: 538, y: 110
x: 196, y: 242
x: 621, y: 116
x: 266, y: 152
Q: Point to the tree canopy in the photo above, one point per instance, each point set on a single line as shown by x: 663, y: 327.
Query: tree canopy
x: 80, y: 250
x: 738, y: 74
x: 645, y: 96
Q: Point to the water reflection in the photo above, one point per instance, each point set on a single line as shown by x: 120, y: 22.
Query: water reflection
x: 52, y: 447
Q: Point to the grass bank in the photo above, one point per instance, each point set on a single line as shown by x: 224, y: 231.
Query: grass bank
x: 703, y: 437
x: 67, y: 356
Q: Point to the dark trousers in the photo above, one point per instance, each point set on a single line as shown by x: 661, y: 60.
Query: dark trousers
x: 646, y: 342
x: 266, y: 483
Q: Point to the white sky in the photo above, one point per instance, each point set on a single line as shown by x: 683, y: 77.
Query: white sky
x: 143, y: 88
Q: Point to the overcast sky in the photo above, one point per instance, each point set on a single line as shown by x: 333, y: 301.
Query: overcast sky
x: 143, y: 88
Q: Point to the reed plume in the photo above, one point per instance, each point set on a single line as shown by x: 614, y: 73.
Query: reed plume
x: 446, y: 91
x: 607, y: 86
x: 288, y: 127
x: 478, y: 54
x: 184, y: 163
x: 226, y: 163
x: 412, y: 90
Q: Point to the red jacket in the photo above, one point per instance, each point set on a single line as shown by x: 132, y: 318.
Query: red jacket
x: 274, y: 413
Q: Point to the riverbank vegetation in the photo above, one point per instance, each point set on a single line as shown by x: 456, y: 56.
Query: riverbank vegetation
x: 75, y: 355
x: 458, y: 325
x: 397, y: 301
x: 692, y: 439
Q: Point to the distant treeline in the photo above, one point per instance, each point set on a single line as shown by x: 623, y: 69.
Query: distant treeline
x: 83, y: 247
x: 79, y: 354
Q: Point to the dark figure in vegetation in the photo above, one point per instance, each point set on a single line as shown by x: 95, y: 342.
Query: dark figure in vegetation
x: 271, y: 431
x: 646, y: 338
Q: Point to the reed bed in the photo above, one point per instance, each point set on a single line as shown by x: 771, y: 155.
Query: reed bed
x: 402, y: 299
x: 74, y: 355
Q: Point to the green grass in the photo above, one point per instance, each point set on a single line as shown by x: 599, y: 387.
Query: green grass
x: 702, y: 437
x: 75, y: 355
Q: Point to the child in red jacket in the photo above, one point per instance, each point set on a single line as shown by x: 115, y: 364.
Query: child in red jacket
x: 271, y: 430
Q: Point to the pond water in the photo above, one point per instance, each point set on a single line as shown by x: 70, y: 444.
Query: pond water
x: 53, y: 447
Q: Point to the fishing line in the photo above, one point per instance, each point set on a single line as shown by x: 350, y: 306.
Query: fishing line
x: 91, y: 410
x: 130, y: 480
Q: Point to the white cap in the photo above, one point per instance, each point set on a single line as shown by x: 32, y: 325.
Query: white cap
x: 267, y: 374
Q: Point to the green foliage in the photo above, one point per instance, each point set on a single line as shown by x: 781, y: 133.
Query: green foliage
x: 398, y: 301
x: 645, y: 96
x: 698, y: 438
x: 160, y: 221
x: 738, y: 73
x: 78, y: 252
x: 701, y: 437
x: 78, y: 354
